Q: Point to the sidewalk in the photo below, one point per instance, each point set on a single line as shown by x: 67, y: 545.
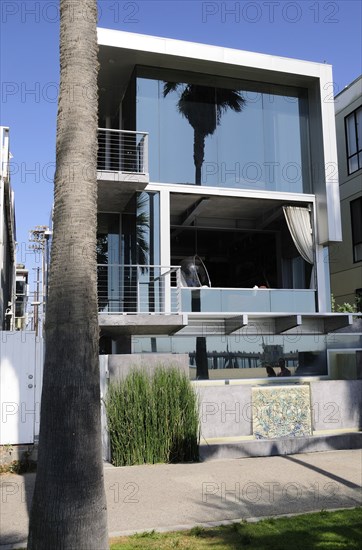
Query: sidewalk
x: 171, y: 497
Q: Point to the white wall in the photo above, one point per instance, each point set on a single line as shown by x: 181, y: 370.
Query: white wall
x: 21, y: 360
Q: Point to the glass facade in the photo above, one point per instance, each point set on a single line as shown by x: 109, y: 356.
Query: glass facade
x: 125, y: 241
x: 220, y: 132
x: 108, y: 259
x: 242, y: 356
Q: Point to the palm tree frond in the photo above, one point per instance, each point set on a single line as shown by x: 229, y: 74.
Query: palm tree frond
x: 170, y: 87
x: 203, y: 107
x: 228, y: 99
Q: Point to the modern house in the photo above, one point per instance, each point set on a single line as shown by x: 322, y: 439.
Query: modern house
x: 346, y: 257
x: 218, y: 200
x: 7, y: 236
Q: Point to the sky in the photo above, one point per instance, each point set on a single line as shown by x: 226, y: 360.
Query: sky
x: 321, y: 31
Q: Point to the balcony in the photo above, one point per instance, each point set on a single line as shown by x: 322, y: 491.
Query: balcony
x: 248, y: 300
x: 122, y: 166
x: 134, y: 299
x: 139, y: 289
x: 151, y: 300
x: 151, y: 289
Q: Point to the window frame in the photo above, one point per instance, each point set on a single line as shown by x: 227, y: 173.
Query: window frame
x: 355, y: 242
x: 358, y: 152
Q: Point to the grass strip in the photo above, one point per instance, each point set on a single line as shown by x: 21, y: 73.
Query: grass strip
x: 338, y: 530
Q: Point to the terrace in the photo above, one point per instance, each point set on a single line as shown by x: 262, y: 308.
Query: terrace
x: 122, y: 166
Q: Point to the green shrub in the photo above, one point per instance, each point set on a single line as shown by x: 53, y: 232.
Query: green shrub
x: 346, y: 307
x: 153, y: 418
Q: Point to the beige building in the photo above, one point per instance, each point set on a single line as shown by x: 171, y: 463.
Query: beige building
x: 346, y: 257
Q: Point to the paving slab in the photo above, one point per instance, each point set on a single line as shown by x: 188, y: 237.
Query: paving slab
x: 178, y: 496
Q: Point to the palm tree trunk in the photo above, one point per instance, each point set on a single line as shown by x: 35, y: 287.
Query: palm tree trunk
x: 199, y: 152
x: 69, y: 506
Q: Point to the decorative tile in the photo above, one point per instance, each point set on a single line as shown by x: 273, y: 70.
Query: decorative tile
x: 281, y: 411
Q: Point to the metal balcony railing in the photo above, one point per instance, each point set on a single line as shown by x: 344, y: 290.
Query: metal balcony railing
x: 139, y: 289
x: 122, y: 151
x: 155, y: 289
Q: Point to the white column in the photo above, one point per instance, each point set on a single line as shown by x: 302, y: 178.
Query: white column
x: 323, y: 283
x: 165, y: 245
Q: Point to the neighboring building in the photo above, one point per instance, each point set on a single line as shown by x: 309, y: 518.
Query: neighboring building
x: 21, y: 297
x: 7, y: 236
x: 346, y: 257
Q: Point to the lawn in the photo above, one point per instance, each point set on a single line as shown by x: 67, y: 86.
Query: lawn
x: 341, y: 530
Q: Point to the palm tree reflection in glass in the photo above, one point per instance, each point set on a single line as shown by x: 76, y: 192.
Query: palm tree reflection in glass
x: 203, y: 107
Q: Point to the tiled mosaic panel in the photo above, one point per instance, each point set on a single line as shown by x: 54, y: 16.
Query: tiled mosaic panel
x: 281, y: 411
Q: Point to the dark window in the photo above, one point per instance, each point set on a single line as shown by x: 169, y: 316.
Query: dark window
x: 359, y: 299
x: 19, y: 307
x: 356, y: 222
x: 20, y: 288
x: 354, y: 140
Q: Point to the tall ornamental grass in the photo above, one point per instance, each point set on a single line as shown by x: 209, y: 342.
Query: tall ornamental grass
x: 153, y: 418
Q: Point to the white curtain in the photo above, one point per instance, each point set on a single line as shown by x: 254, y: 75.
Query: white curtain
x: 300, y: 227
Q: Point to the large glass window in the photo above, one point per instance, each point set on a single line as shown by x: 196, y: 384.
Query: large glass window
x: 108, y: 260
x: 356, y: 222
x: 127, y: 250
x: 224, y: 133
x: 354, y: 140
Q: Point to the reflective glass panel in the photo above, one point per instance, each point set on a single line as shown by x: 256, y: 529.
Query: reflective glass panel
x: 233, y: 134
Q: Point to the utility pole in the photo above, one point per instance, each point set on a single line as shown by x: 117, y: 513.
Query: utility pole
x: 37, y: 302
x: 40, y: 236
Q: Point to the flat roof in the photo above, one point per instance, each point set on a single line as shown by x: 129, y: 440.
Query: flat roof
x: 120, y: 52
x: 210, y: 53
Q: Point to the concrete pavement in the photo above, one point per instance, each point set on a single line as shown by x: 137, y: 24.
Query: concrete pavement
x: 169, y: 497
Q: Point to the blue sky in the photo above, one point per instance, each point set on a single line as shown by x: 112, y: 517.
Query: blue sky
x: 321, y: 31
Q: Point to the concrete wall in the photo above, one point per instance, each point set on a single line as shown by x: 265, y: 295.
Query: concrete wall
x: 337, y: 404
x: 226, y: 410
x: 120, y: 365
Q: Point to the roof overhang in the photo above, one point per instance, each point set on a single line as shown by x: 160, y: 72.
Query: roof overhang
x: 120, y: 52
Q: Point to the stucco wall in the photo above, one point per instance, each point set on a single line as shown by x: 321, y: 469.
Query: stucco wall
x: 226, y: 411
